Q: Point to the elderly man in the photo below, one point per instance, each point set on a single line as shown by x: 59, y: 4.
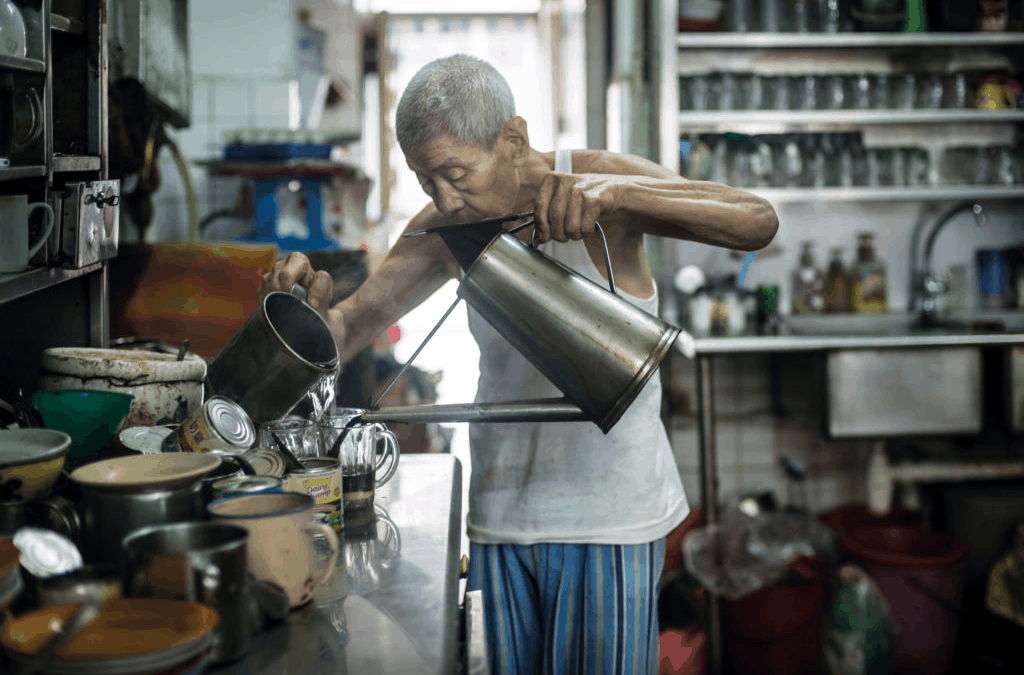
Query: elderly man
x: 567, y: 525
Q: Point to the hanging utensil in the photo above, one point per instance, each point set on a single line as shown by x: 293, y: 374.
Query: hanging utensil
x: 290, y: 459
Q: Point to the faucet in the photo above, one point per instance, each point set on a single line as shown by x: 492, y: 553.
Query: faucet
x: 927, y: 288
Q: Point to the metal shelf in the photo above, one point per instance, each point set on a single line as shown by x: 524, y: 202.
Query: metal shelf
x: 780, y: 121
x: 812, y: 40
x: 73, y: 163
x: 19, y: 172
x: 64, y: 24
x: 868, y: 194
x: 13, y: 63
x: 16, y: 285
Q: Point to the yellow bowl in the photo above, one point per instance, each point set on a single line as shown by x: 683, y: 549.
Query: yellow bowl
x: 30, y: 462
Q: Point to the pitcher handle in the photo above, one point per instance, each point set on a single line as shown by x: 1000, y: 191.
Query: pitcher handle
x: 604, y: 246
x: 392, y: 442
x: 332, y: 542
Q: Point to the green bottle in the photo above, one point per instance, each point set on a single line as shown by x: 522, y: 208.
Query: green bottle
x: 916, y: 19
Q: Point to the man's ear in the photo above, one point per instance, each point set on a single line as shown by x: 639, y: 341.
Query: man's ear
x: 515, y: 140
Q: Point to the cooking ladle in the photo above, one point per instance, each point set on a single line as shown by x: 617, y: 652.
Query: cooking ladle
x: 60, y: 636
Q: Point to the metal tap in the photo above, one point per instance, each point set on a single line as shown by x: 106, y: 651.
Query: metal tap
x: 928, y: 287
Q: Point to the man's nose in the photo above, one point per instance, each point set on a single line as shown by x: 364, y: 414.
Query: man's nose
x: 448, y: 200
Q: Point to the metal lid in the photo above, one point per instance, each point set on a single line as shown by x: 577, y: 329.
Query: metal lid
x: 317, y: 464
x: 45, y: 553
x: 147, y: 440
x: 247, y: 484
x: 231, y: 422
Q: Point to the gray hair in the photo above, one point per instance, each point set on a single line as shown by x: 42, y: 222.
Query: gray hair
x: 460, y: 96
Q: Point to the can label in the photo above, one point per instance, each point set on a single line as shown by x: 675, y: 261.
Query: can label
x: 324, y: 486
x: 196, y: 434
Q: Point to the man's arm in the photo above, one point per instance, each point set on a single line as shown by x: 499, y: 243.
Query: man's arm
x: 413, y: 269
x: 649, y: 199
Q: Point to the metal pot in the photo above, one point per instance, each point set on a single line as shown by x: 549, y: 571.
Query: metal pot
x: 110, y: 515
x: 159, y: 383
x: 273, y: 361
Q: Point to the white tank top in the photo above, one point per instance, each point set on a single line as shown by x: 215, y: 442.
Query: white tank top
x: 567, y: 482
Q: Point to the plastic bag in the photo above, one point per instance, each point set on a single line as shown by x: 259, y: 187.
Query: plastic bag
x: 742, y: 555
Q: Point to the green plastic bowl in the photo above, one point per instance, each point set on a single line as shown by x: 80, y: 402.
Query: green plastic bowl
x: 90, y: 418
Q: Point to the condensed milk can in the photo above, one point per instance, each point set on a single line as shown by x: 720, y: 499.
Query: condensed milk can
x: 219, y: 425
x: 320, y: 477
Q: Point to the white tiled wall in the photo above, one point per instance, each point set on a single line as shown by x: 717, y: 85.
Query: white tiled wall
x: 751, y: 440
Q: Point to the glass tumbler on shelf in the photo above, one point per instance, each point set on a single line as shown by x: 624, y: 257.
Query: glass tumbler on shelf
x: 828, y: 16
x: 906, y: 91
x: 728, y: 92
x: 806, y: 92
x: 772, y: 20
x: 860, y: 89
x: 835, y: 92
x: 739, y: 16
x: 756, y: 98
x: 778, y: 92
x: 983, y: 165
x: 918, y: 166
x: 898, y: 172
x: 931, y: 92
x: 881, y: 95
x: 791, y: 167
x: 700, y: 92
x: 958, y: 93
x: 738, y: 162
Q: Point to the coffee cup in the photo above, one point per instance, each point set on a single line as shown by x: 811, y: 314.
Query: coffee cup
x: 281, y: 539
x: 14, y: 213
x: 367, y: 451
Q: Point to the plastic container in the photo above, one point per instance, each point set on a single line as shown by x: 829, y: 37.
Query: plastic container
x: 777, y: 630
x: 276, y: 152
x: 846, y: 519
x: 921, y: 574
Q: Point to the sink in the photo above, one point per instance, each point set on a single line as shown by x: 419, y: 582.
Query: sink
x: 897, y: 323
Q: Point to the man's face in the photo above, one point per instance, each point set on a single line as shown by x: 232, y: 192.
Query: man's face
x: 465, y: 182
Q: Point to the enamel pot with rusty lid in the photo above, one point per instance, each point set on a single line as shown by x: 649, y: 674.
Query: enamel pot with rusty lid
x: 159, y: 382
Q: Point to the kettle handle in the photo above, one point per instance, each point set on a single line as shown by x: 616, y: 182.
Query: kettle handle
x: 604, y: 246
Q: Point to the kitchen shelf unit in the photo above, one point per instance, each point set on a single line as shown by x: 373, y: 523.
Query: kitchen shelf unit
x: 843, y: 40
x: 785, y: 121
x: 677, y: 55
x: 56, y: 301
x: 888, y: 194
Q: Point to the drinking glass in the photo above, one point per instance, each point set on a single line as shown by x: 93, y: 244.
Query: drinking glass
x: 881, y: 96
x: 918, y: 165
x: 835, y: 92
x: 728, y: 92
x: 860, y: 86
x: 791, y: 167
x: 906, y: 91
x: 778, y: 90
x: 802, y: 20
x: 738, y: 162
x: 762, y: 165
x: 756, y: 99
x: 807, y: 92
x: 740, y: 15
x: 931, y: 92
x: 958, y: 91
x: 296, y: 433
x: 899, y: 166
x: 700, y: 93
x: 828, y: 16
x: 368, y: 453
x: 771, y: 15
x: 1006, y: 170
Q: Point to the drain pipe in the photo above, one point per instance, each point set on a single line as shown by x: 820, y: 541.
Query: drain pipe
x: 623, y: 97
x: 882, y: 476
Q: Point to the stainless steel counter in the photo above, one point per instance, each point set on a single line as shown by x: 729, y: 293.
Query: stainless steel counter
x: 378, y: 615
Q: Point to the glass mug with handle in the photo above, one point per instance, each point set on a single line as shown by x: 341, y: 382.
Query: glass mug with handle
x: 368, y: 453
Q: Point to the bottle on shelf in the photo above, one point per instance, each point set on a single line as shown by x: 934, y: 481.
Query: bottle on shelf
x: 869, y: 286
x: 808, y: 283
x: 837, y: 295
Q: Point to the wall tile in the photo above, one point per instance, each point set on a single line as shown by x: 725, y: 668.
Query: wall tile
x: 684, y: 447
x: 231, y: 100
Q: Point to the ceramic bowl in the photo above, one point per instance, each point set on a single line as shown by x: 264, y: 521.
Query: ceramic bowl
x: 135, y: 473
x: 30, y: 462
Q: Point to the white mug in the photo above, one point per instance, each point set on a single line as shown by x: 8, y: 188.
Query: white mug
x: 15, y: 251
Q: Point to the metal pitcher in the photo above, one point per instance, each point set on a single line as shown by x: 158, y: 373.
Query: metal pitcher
x: 272, y: 362
x: 592, y: 344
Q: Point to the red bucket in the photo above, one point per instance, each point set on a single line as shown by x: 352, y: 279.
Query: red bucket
x: 777, y: 630
x: 921, y: 574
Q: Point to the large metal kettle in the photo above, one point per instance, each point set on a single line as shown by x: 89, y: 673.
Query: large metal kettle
x: 593, y: 345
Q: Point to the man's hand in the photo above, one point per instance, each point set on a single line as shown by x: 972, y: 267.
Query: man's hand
x: 296, y: 269
x: 568, y: 205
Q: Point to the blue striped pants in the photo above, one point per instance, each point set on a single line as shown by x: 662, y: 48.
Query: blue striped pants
x: 569, y: 608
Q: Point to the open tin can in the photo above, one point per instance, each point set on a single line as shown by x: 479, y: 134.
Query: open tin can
x: 320, y: 477
x: 219, y: 425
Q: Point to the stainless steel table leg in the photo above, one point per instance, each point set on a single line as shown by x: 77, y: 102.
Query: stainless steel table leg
x: 709, y: 497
